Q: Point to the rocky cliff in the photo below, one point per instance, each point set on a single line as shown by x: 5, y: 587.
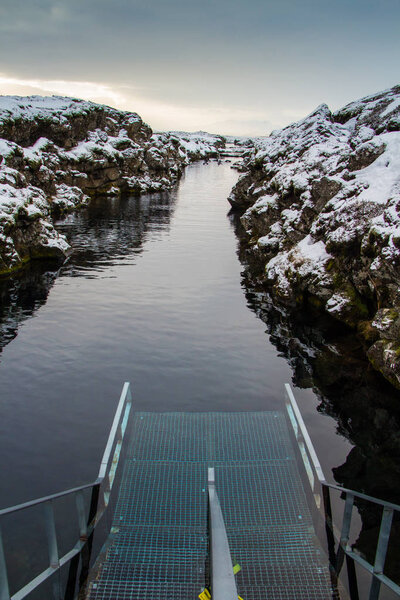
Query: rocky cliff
x: 55, y: 153
x: 321, y: 204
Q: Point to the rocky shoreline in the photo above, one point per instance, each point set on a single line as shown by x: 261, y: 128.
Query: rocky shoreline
x: 56, y: 153
x: 321, y: 209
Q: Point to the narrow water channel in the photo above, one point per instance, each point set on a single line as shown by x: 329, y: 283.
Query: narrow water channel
x: 152, y: 294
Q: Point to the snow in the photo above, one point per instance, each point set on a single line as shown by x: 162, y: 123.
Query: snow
x: 391, y: 108
x: 306, y: 259
x: 49, y: 107
x: 382, y: 177
x: 313, y: 251
x: 264, y: 203
x: 84, y: 147
x: 197, y: 145
x: 330, y: 187
x: 336, y: 304
x: 6, y: 147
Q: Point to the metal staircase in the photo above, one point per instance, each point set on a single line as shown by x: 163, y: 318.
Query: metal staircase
x: 172, y: 527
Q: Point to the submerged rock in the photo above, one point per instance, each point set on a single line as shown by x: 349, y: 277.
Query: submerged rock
x: 55, y: 153
x: 321, y: 208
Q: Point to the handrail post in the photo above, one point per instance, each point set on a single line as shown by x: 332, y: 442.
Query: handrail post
x: 223, y: 584
x: 4, y: 589
x: 87, y: 549
x: 51, y: 535
x: 54, y: 558
x: 345, y: 533
x: 380, y: 556
x: 80, y: 507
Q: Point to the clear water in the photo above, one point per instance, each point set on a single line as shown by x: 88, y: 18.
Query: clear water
x: 152, y: 295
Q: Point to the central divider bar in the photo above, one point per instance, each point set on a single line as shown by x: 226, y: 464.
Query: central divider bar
x: 223, y: 584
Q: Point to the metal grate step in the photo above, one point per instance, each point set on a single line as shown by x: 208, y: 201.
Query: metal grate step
x: 159, y: 546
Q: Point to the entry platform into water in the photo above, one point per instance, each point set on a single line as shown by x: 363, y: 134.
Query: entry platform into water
x: 187, y: 502
x: 158, y: 548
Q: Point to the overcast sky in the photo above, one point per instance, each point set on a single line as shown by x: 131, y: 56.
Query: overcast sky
x: 226, y: 66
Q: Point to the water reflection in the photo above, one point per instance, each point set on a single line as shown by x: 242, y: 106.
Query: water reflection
x: 109, y: 231
x: 113, y: 230
x: 177, y: 325
x: 22, y: 295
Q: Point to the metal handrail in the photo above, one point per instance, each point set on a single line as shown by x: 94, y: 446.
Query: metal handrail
x: 316, y: 463
x: 223, y: 584
x: 87, y: 525
x: 340, y: 488
x: 31, y: 503
x: 311, y: 463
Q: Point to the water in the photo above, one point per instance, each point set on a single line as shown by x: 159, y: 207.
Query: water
x: 151, y: 295
x: 154, y: 294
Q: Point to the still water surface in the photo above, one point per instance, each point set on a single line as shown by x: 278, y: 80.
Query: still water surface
x: 152, y: 295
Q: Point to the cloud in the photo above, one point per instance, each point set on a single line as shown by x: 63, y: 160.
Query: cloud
x: 231, y: 63
x: 159, y: 114
x: 79, y: 89
x: 243, y: 127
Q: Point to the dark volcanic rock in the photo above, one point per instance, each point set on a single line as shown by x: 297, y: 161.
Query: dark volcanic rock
x: 57, y: 152
x: 321, y: 203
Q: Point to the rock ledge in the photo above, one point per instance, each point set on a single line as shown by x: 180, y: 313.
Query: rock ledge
x: 321, y: 204
x: 56, y: 152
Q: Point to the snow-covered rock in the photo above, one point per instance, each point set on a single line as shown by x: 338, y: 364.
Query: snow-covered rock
x: 321, y: 202
x: 56, y: 152
x: 199, y: 145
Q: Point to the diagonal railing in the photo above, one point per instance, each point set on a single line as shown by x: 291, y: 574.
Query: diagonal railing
x: 321, y: 487
x: 87, y: 519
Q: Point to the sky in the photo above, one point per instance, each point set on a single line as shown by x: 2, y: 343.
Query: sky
x: 240, y: 67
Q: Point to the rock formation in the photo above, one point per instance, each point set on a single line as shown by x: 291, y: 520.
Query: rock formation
x: 55, y: 153
x: 321, y: 203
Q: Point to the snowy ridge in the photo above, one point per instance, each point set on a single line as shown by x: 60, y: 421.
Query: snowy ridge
x: 50, y: 107
x: 322, y: 212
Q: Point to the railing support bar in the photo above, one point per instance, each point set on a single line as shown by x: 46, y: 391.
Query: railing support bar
x: 352, y: 578
x: 80, y: 507
x: 87, y: 549
x: 348, y: 509
x: 4, y: 589
x: 52, y: 546
x: 345, y: 533
x: 51, y: 535
x: 380, y: 556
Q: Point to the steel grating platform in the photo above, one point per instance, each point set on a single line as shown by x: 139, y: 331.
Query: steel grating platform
x: 158, y: 548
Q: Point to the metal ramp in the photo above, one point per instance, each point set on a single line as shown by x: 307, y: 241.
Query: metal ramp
x: 158, y: 544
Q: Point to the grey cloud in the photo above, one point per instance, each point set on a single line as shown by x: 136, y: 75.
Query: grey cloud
x: 261, y: 54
